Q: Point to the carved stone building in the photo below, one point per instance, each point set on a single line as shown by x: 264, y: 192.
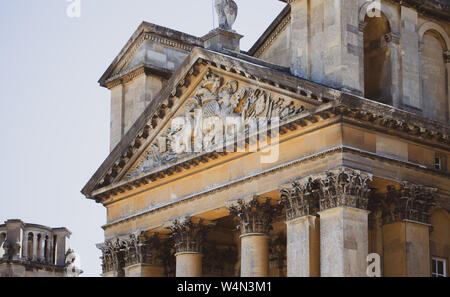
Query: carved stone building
x: 30, y: 250
x: 327, y: 141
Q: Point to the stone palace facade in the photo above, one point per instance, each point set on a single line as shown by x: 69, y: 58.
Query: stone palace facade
x: 327, y: 141
x: 30, y: 250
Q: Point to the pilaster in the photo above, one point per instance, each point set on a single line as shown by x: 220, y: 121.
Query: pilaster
x: 343, y: 222
x: 303, y: 250
x: 406, y: 230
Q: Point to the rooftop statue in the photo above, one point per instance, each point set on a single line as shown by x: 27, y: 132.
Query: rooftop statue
x: 227, y: 11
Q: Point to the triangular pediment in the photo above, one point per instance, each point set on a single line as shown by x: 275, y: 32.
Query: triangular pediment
x: 211, y: 112
x: 216, y: 85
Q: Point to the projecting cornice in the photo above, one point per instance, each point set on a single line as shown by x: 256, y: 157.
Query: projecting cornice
x: 132, y: 144
x: 327, y: 104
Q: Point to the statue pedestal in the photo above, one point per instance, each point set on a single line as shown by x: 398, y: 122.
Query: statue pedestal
x: 219, y: 39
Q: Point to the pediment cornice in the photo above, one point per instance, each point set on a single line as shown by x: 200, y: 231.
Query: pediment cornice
x: 325, y: 103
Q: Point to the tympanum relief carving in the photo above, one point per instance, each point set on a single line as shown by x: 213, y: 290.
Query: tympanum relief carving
x: 219, y: 110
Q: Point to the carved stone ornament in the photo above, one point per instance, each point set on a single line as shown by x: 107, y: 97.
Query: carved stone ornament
x: 344, y: 187
x: 113, y: 256
x: 140, y: 249
x: 301, y: 198
x: 254, y: 217
x: 188, y: 236
x: 410, y: 202
x: 227, y: 12
x: 218, y: 111
x: 11, y: 250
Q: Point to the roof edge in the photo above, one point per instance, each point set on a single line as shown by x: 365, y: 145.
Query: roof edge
x: 272, y: 27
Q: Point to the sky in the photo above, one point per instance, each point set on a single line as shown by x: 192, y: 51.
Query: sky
x: 54, y: 117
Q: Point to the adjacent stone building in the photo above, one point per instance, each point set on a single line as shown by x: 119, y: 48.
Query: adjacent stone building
x: 30, y: 250
x: 325, y: 142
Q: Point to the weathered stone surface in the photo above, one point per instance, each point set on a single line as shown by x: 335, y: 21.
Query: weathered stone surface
x: 334, y: 147
x: 343, y: 242
x: 30, y: 250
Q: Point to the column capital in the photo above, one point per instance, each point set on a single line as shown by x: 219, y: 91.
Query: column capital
x: 142, y: 249
x: 112, y: 255
x: 301, y: 197
x: 255, y: 217
x: 408, y: 202
x: 343, y: 187
x: 188, y: 236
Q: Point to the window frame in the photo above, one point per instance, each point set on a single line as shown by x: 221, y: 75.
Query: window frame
x: 435, y: 267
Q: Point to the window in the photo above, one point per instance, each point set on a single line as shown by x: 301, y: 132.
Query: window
x: 438, y: 163
x: 439, y: 267
x: 433, y: 76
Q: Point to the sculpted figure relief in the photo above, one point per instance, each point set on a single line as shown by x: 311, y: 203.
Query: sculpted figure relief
x: 218, y: 111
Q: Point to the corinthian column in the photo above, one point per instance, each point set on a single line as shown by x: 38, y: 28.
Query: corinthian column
x: 255, y: 225
x: 302, y: 205
x: 189, y: 238
x: 406, y: 230
x: 142, y: 256
x: 343, y: 222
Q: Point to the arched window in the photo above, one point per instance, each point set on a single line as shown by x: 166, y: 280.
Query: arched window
x: 434, y: 76
x: 377, y: 59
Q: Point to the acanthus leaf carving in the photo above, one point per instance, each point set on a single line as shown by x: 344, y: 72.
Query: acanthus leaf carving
x: 254, y: 216
x: 301, y: 198
x: 188, y: 237
x: 141, y: 249
x: 410, y: 202
x: 344, y: 187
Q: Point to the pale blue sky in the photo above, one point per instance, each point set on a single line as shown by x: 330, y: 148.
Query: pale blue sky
x: 54, y: 118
